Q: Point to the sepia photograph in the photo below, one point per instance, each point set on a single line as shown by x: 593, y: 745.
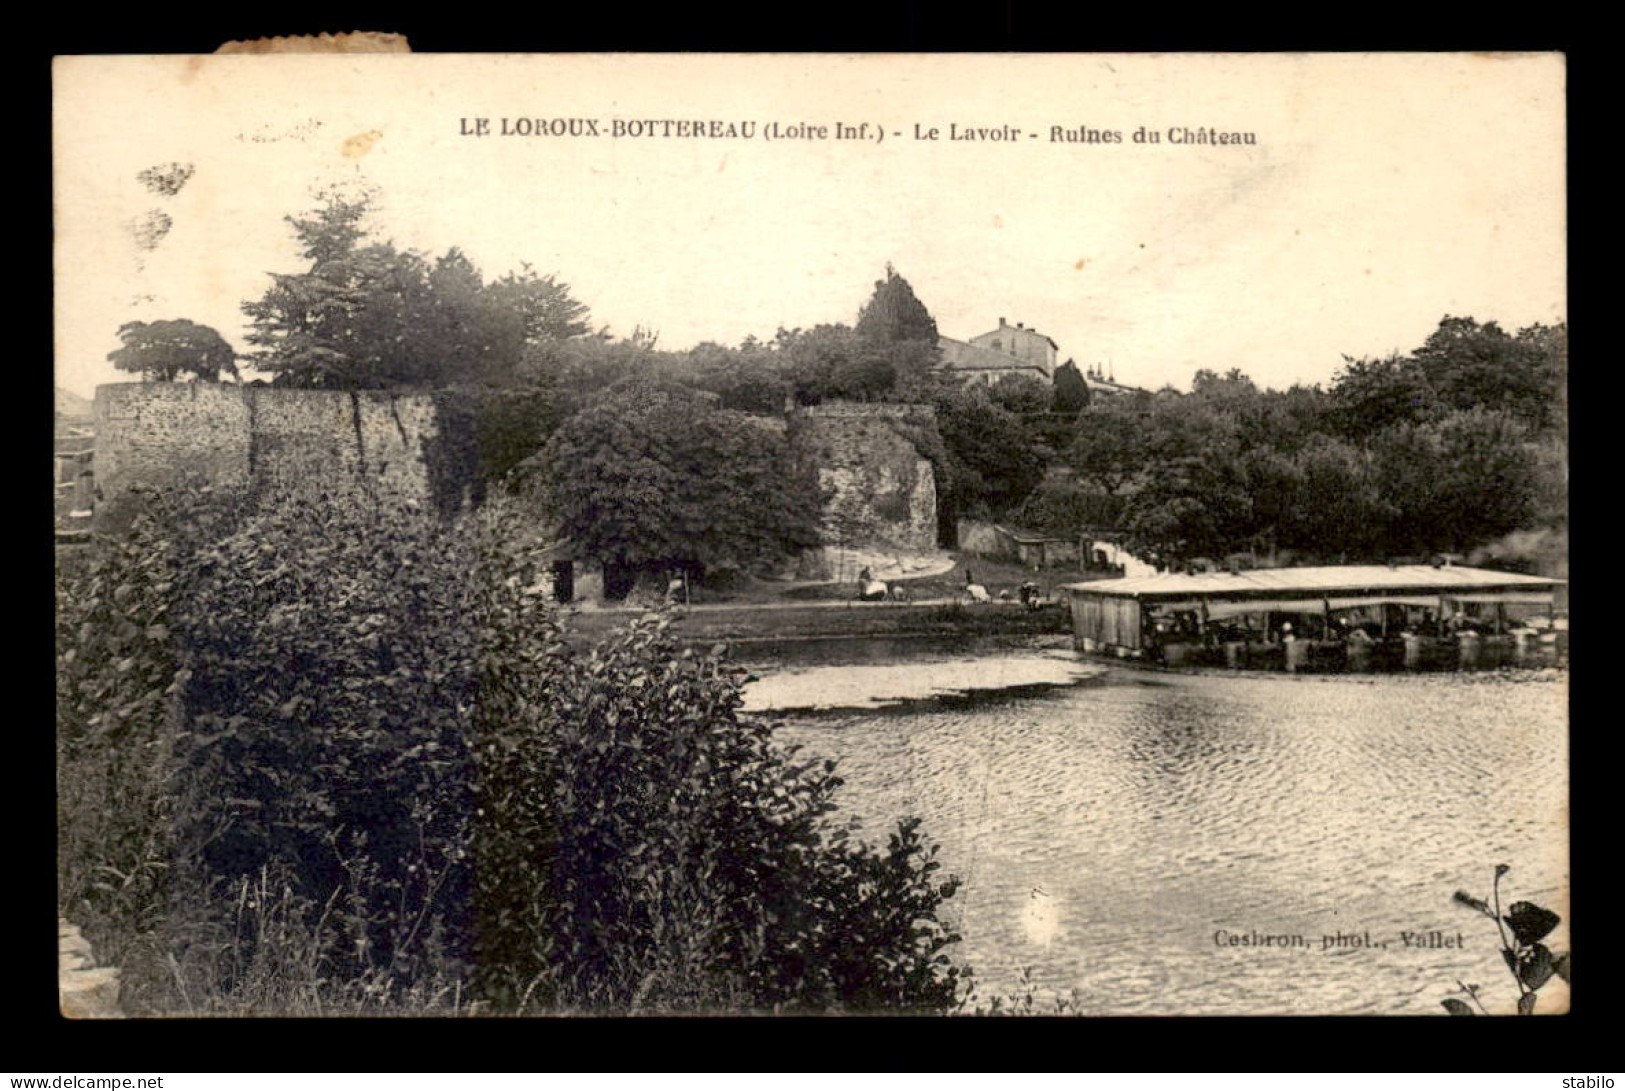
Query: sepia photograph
x: 955, y: 535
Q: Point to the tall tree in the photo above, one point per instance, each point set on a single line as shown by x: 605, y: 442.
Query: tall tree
x: 992, y: 460
x: 164, y: 351
x: 1337, y: 509
x: 1071, y: 390
x: 348, y: 321
x: 545, y: 309
x: 1549, y: 346
x: 1369, y: 395
x: 896, y: 319
x: 367, y: 314
x: 653, y: 475
x: 1481, y: 366
x: 894, y: 313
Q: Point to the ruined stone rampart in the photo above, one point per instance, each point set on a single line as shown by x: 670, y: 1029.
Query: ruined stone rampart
x: 417, y: 446
x: 872, y: 461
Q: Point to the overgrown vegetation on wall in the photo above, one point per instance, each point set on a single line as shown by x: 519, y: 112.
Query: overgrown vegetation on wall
x: 320, y: 754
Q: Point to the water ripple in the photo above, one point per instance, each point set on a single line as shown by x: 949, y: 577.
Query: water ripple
x: 1106, y: 831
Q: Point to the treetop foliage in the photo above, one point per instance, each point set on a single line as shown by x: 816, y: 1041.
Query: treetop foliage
x: 1071, y: 390
x: 369, y: 315
x: 164, y: 351
x: 1463, y: 365
x: 656, y: 475
x: 1442, y: 450
x: 894, y: 314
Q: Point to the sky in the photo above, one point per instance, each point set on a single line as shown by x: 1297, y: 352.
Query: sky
x: 1380, y: 193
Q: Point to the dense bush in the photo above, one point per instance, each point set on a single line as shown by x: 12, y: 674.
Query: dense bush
x: 329, y: 753
x: 325, y: 690
x: 655, y: 476
x: 267, y: 696
x: 646, y: 847
x: 114, y: 671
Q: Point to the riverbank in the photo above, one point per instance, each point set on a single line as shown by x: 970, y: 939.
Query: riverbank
x: 765, y: 622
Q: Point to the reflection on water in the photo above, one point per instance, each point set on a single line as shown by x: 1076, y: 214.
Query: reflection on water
x: 1116, y: 834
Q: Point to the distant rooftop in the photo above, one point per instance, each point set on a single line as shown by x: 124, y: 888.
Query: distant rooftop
x: 1353, y: 579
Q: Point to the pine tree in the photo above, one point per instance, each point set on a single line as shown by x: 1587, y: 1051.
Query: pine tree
x: 894, y: 313
x: 1071, y: 391
x: 367, y: 314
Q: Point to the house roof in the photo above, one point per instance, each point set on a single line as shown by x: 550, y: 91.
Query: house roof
x: 1110, y: 386
x: 1020, y: 329
x: 964, y: 356
x: 1309, y: 583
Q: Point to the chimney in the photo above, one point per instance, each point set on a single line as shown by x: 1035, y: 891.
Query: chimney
x: 1001, y: 322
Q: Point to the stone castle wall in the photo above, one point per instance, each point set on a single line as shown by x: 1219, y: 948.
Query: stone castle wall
x: 871, y: 460
x: 417, y: 446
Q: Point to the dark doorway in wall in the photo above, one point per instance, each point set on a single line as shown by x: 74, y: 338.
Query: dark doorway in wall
x: 619, y: 579
x: 564, y: 581
x: 947, y: 512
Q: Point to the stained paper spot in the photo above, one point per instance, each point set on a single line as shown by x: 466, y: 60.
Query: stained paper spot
x: 361, y: 143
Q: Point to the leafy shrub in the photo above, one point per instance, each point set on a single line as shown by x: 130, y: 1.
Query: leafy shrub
x: 266, y: 688
x: 328, y: 753
x: 326, y: 680
x: 113, y: 669
x: 655, y: 476
x: 645, y: 847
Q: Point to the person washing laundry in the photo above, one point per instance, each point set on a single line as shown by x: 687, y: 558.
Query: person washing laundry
x: 869, y: 588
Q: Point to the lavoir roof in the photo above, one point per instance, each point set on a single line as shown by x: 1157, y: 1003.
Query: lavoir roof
x: 1342, y: 580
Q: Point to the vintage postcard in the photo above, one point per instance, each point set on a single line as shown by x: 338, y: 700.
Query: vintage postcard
x: 1142, y: 476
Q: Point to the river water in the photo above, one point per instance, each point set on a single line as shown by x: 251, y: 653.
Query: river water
x: 1121, y: 832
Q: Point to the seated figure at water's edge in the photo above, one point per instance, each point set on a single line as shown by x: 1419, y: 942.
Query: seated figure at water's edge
x: 873, y: 591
